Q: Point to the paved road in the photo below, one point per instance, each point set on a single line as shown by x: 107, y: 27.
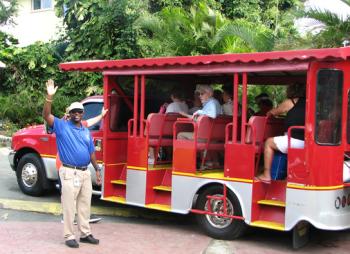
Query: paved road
x: 36, y: 233
x: 132, y: 229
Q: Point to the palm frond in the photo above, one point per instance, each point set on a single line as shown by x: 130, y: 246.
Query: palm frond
x: 149, y: 22
x: 347, y: 2
x: 326, y: 17
x: 256, y: 39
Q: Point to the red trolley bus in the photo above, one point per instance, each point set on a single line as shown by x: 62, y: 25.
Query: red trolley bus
x: 228, y: 199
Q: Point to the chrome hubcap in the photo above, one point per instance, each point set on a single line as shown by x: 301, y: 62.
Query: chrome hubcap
x: 29, y: 175
x: 217, y: 206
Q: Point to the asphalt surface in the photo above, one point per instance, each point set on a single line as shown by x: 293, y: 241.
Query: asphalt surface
x: 131, y: 229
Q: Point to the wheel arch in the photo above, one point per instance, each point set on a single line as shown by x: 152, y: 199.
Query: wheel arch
x: 27, y: 150
x: 23, y: 151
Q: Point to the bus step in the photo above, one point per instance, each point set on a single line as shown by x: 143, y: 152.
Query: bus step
x: 120, y: 182
x: 160, y: 207
x: 272, y: 202
x: 162, y: 188
x: 115, y: 199
x: 268, y: 224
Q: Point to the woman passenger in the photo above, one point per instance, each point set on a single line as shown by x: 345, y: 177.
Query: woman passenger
x: 294, y: 106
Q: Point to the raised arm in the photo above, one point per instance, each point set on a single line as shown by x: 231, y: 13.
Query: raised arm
x: 51, y: 90
x: 96, y: 119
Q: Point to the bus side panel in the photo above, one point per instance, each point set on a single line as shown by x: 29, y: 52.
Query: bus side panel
x: 185, y: 188
x: 137, y: 151
x: 136, y: 187
x: 325, y: 209
x: 239, y: 161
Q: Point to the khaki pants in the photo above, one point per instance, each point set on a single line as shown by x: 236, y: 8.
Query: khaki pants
x: 76, y: 194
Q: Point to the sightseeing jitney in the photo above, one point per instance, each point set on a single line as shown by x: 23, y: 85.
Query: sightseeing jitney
x: 228, y: 199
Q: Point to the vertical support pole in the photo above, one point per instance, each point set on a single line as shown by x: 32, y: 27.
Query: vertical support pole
x: 136, y: 102
x: 244, y: 105
x: 106, y: 86
x: 225, y: 201
x: 235, y: 108
x: 142, y: 113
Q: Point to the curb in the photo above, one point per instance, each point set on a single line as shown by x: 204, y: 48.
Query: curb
x: 55, y: 208
x: 118, y: 211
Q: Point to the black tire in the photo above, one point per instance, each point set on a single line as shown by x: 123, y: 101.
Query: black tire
x: 219, y: 227
x: 30, y: 175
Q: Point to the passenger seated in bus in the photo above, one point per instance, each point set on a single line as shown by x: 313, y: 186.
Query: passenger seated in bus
x: 196, y: 105
x: 261, y: 96
x: 265, y: 105
x: 294, y: 107
x: 177, y: 105
x: 227, y: 107
x: 211, y: 108
x: 217, y: 94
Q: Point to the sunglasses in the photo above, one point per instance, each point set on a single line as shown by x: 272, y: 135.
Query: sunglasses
x: 74, y: 111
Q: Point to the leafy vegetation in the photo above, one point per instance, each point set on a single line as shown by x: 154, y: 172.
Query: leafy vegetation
x: 335, y: 29
x: 200, y: 30
x: 8, y: 9
x: 27, y: 69
x: 119, y: 29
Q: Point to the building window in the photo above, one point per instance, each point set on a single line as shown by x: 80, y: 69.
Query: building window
x: 42, y: 4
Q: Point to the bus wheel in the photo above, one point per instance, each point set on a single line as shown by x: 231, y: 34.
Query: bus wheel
x: 30, y: 175
x: 216, y: 226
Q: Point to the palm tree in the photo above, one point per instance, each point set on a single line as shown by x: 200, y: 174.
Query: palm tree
x: 201, y: 30
x: 334, y: 30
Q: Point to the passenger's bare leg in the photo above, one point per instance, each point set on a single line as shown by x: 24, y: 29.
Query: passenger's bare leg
x: 269, y: 151
x: 151, y: 157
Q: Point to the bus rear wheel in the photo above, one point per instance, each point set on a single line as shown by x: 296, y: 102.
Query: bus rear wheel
x: 216, y: 226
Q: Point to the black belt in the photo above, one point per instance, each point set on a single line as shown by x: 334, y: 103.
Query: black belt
x: 75, y: 167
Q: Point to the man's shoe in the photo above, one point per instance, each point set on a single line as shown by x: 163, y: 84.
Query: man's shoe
x: 94, y: 219
x: 72, y: 243
x: 89, y: 239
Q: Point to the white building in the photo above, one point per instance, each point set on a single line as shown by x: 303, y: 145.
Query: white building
x: 35, y: 21
x: 305, y: 25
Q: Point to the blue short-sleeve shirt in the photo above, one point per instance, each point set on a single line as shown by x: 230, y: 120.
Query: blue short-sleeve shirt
x: 74, y: 144
x: 211, y: 108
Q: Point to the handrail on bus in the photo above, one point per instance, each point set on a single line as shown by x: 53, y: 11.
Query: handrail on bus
x: 130, y: 122
x: 188, y: 121
x: 227, y: 132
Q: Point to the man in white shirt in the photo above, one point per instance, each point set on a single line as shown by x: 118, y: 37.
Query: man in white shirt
x: 211, y: 108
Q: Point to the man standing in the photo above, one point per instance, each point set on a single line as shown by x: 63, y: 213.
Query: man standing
x: 76, y: 151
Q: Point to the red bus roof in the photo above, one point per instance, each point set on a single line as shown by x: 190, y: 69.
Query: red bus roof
x: 288, y: 58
